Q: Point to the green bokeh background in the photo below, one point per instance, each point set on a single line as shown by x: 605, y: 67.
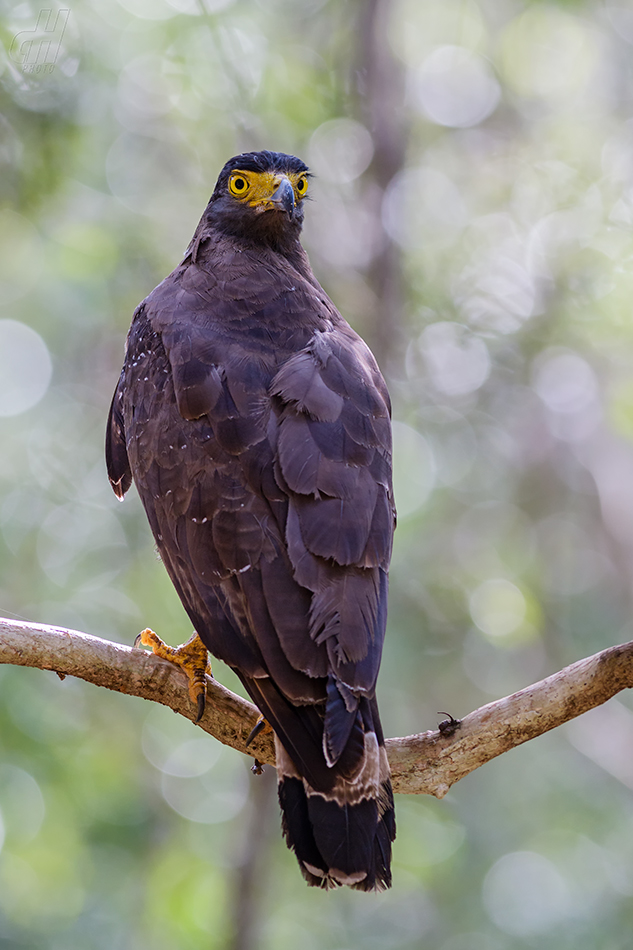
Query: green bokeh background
x: 473, y: 219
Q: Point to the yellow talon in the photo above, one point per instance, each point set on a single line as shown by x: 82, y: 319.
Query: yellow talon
x: 192, y: 657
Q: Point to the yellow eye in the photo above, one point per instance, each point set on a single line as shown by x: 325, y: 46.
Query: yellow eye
x: 238, y: 185
x: 302, y: 186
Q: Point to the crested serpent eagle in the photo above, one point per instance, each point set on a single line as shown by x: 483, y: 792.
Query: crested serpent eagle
x: 256, y: 426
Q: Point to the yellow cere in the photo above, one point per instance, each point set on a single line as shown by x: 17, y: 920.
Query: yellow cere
x: 256, y: 188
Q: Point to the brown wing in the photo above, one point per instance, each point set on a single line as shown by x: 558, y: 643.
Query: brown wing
x: 333, y: 453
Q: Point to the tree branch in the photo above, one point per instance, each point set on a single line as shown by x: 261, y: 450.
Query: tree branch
x: 427, y: 763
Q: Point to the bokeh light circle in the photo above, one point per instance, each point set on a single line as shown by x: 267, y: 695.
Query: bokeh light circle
x: 498, y: 607
x: 25, y: 367
x: 413, y: 469
x: 340, y: 150
x: 525, y: 894
x: 455, y: 87
x: 457, y: 360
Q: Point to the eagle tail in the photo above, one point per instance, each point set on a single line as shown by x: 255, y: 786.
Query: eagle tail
x: 338, y: 818
x: 340, y: 837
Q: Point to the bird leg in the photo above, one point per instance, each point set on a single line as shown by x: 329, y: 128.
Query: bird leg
x: 192, y: 657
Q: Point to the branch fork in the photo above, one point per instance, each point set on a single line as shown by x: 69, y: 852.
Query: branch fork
x: 428, y: 763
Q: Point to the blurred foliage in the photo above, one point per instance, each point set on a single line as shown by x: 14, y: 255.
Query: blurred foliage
x: 473, y: 217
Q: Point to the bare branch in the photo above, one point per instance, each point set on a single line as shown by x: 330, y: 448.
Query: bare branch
x: 427, y: 763
x: 430, y: 762
x: 136, y: 672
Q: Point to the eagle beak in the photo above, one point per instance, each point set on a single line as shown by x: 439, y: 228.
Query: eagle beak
x: 284, y: 198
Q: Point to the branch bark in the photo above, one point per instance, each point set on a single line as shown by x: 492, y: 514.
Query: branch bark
x: 427, y: 763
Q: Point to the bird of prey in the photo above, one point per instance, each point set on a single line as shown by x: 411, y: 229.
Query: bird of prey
x: 256, y: 426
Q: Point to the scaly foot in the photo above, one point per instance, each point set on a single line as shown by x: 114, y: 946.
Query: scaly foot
x: 192, y: 657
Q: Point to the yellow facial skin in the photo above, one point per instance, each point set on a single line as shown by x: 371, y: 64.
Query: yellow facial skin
x: 257, y: 188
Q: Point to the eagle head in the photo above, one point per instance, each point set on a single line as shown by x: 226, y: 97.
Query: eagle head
x: 259, y: 197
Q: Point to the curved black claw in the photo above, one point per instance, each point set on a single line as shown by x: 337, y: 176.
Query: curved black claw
x: 259, y: 726
x: 202, y: 702
x: 257, y: 768
x: 137, y: 641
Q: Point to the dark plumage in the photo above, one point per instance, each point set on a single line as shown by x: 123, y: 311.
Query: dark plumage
x: 256, y: 426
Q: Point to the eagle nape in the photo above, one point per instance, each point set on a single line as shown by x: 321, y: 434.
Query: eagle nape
x: 256, y: 427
